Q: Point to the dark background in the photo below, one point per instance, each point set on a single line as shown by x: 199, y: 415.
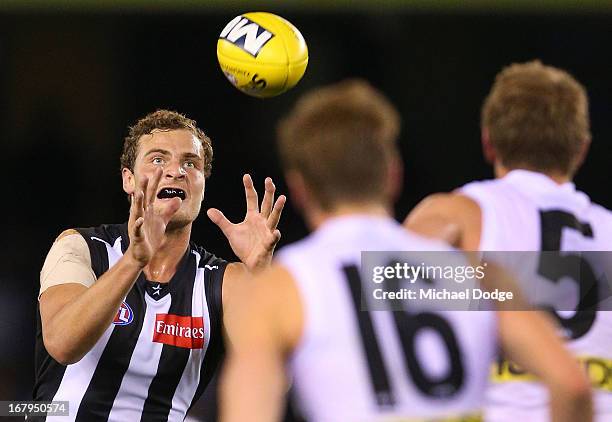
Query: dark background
x: 71, y: 82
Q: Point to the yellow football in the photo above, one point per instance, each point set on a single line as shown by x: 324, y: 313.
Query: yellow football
x: 262, y: 54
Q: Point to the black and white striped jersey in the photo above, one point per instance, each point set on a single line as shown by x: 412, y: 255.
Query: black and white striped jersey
x: 155, y: 359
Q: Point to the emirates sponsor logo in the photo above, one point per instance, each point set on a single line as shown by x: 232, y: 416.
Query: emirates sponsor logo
x: 180, y: 331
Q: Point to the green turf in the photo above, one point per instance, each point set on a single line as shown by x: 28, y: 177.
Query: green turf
x: 314, y: 5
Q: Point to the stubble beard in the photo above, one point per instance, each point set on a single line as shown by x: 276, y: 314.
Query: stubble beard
x: 182, y: 219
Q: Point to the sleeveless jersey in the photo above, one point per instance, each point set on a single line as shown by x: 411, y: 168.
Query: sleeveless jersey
x: 527, y: 211
x: 358, y: 365
x: 154, y: 361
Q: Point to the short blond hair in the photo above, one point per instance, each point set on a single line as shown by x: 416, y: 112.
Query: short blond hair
x: 537, y: 118
x: 341, y: 138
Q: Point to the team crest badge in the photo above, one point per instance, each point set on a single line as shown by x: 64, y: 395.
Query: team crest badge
x: 124, y: 315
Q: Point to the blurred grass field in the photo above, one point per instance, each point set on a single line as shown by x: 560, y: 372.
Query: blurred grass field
x: 529, y: 6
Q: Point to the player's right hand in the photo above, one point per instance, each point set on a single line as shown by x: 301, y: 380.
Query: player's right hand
x: 147, y: 224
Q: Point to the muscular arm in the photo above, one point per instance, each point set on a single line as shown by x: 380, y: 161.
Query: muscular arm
x: 74, y: 316
x: 529, y: 339
x: 451, y: 217
x: 236, y: 280
x: 265, y: 324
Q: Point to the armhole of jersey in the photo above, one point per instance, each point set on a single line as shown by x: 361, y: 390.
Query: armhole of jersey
x: 305, y: 297
x: 213, y: 287
x: 97, y: 252
x: 486, y: 232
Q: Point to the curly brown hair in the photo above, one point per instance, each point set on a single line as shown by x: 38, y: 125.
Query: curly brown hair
x: 165, y: 120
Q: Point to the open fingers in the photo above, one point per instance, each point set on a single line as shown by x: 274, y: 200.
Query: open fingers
x: 171, y: 208
x: 277, y: 236
x: 275, y: 215
x: 142, y: 190
x: 151, y: 189
x: 136, y: 206
x: 138, y: 227
x: 219, y: 219
x: 250, y: 193
x: 268, y: 199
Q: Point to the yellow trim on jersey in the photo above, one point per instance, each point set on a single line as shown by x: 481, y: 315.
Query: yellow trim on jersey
x: 598, y: 369
x: 474, y: 417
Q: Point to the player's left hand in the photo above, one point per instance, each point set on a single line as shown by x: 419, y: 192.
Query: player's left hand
x: 253, y: 240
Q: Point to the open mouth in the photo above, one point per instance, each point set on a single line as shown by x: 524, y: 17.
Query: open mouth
x: 166, y: 193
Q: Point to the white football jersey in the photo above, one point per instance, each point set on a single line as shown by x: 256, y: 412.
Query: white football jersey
x: 356, y: 365
x: 527, y: 211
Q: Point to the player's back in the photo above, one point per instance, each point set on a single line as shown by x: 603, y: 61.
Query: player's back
x: 527, y: 211
x: 353, y: 365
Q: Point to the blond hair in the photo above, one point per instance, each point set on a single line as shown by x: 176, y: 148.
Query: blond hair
x: 537, y: 118
x: 341, y: 138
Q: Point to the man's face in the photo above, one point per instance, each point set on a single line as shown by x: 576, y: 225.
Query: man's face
x: 181, y: 157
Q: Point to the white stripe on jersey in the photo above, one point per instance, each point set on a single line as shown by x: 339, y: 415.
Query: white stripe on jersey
x: 190, y: 379
x: 77, y: 376
x: 129, y: 402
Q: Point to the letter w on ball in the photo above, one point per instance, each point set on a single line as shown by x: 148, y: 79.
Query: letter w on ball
x: 246, y: 34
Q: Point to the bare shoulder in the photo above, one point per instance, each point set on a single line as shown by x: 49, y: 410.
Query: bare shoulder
x: 237, y: 279
x: 446, y: 204
x: 277, y: 287
x: 235, y: 276
x: 235, y: 271
x: 275, y: 277
x: 452, y: 217
x: 270, y: 287
x: 267, y: 302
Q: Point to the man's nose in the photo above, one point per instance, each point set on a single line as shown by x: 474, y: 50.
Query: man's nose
x: 174, y: 170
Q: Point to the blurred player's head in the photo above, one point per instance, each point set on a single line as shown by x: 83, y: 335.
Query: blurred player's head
x: 536, y: 118
x: 339, y: 148
x: 170, y: 141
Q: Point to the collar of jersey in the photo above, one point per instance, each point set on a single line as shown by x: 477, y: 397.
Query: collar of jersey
x: 348, y: 222
x: 177, y: 279
x: 536, y: 179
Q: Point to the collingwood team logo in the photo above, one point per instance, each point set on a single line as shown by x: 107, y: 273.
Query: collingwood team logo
x: 246, y: 34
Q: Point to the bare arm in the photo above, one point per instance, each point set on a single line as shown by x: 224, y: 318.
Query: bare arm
x: 253, y: 240
x: 265, y: 323
x: 529, y: 339
x: 74, y: 316
x: 451, y: 217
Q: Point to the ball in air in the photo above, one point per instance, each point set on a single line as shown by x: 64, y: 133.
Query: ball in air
x: 262, y: 54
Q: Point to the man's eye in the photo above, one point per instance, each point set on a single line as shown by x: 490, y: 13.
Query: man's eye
x: 190, y: 164
x: 158, y: 160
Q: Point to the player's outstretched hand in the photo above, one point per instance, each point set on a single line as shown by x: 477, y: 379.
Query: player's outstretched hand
x: 147, y: 224
x: 253, y: 240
